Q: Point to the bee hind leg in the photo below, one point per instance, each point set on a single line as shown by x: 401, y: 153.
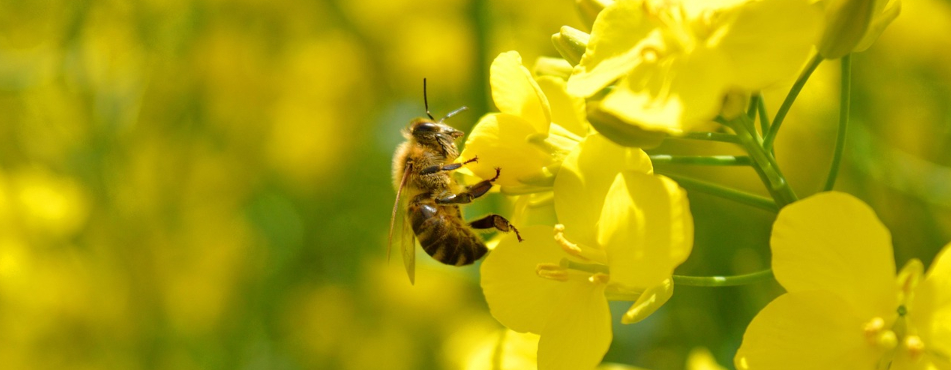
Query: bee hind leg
x: 497, y: 222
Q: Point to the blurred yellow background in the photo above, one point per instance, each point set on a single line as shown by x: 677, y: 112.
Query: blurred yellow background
x: 206, y: 184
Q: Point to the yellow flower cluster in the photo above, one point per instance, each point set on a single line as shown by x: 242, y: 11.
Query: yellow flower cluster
x: 621, y: 232
x: 652, y: 68
x: 673, y: 63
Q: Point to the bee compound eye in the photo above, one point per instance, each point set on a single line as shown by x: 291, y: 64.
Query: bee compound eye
x: 425, y: 126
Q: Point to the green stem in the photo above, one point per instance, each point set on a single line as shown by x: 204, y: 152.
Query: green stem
x: 844, y: 102
x: 722, y: 281
x: 790, y: 98
x: 712, y: 160
x: 763, y: 116
x: 751, y: 114
x: 481, y: 20
x: 706, y: 136
x: 764, y: 163
x: 754, y: 102
x: 726, y: 193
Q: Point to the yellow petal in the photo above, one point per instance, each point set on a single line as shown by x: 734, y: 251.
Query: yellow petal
x: 586, y: 175
x: 517, y: 297
x: 833, y: 241
x: 613, y: 48
x: 578, y: 333
x: 807, y: 330
x: 645, y: 228
x: 931, y: 309
x: 501, y: 140
x: 566, y: 110
x: 515, y: 92
x: 767, y: 41
x: 672, y: 96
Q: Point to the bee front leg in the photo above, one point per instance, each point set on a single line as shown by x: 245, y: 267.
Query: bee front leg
x: 472, y: 192
x: 449, y: 167
x: 497, y: 222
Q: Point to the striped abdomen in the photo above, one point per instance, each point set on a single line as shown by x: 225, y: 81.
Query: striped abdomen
x: 443, y: 235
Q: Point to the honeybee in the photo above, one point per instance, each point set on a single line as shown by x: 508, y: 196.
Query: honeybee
x: 422, y: 169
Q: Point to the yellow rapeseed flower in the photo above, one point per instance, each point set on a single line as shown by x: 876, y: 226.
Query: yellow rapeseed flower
x: 675, y: 61
x: 538, y: 124
x: 844, y: 307
x: 624, y: 231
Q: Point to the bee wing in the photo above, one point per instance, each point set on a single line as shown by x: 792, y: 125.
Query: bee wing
x: 408, y: 238
x: 396, y: 209
x: 409, y: 249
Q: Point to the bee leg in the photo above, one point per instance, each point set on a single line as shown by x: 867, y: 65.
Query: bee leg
x: 449, y: 167
x: 497, y: 222
x: 471, y: 192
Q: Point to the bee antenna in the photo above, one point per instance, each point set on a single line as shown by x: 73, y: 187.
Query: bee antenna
x: 426, y: 101
x: 453, y: 113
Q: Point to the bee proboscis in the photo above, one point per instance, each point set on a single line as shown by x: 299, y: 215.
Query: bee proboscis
x: 422, y: 169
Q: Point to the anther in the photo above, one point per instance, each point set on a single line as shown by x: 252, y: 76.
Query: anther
x: 599, y: 278
x: 915, y: 346
x: 887, y: 340
x: 650, y: 54
x: 552, y: 271
x: 873, y: 328
x: 567, y: 246
x: 587, y: 254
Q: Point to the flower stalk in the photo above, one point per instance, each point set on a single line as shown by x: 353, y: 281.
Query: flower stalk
x: 770, y: 136
x: 844, y: 103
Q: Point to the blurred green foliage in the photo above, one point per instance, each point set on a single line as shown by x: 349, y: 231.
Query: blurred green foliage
x: 206, y: 184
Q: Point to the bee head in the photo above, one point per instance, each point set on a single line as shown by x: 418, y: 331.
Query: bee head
x: 436, y: 135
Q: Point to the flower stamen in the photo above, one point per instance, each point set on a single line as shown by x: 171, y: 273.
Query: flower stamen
x: 552, y: 271
x: 915, y: 346
x: 567, y: 246
x: 599, y: 278
x: 886, y: 341
x: 874, y: 327
x: 650, y: 54
x: 587, y: 254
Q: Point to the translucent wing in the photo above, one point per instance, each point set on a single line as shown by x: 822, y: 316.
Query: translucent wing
x: 408, y: 239
x: 409, y: 249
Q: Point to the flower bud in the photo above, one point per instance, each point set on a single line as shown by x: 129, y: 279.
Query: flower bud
x: 589, y: 9
x: 648, y: 302
x: 556, y: 67
x: 852, y: 25
x: 571, y: 44
x: 884, y: 14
